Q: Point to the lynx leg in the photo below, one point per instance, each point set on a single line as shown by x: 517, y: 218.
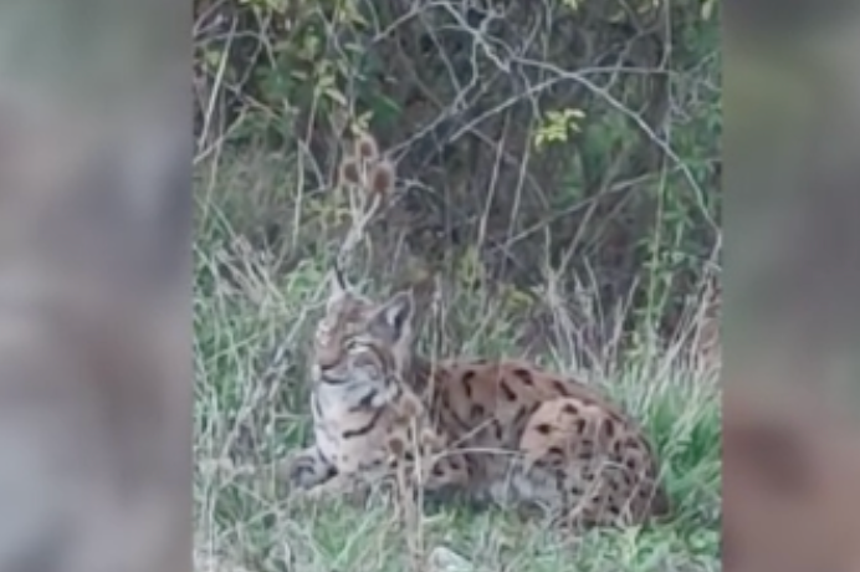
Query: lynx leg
x: 306, y: 469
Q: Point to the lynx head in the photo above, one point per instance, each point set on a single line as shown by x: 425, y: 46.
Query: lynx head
x: 362, y: 341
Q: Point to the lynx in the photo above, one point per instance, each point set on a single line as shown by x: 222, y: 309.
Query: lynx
x: 518, y: 434
x: 499, y: 431
x: 367, y: 421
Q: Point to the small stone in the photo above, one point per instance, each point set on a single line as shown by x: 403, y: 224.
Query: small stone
x: 445, y: 560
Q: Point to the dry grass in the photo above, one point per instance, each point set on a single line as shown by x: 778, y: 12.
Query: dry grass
x: 254, y: 311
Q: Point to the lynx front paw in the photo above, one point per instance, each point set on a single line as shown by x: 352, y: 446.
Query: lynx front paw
x: 304, y: 471
x: 340, y: 488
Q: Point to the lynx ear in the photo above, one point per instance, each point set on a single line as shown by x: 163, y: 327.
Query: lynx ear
x: 338, y: 287
x: 393, y: 320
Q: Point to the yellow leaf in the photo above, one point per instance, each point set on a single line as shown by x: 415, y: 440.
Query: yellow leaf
x: 335, y: 96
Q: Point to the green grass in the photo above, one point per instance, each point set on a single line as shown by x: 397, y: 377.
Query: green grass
x: 253, y: 317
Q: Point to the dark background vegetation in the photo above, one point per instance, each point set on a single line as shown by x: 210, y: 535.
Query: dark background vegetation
x: 575, y: 139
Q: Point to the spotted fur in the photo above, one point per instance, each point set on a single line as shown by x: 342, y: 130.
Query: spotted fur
x: 541, y: 441
x: 520, y: 435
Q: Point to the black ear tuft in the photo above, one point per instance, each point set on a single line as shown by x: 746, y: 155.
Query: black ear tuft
x: 338, y: 288
x: 339, y: 276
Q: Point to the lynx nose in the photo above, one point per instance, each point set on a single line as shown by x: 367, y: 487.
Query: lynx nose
x: 326, y: 361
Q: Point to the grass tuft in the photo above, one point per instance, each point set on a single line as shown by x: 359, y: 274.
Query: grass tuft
x: 255, y: 308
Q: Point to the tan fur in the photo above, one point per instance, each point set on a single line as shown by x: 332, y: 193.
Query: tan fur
x: 577, y: 456
x: 517, y: 434
x: 367, y: 422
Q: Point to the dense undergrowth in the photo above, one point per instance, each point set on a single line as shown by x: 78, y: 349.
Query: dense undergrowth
x: 254, y: 315
x: 558, y: 199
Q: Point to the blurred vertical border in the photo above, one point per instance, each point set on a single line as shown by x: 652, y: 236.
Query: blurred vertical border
x: 95, y: 286
x: 791, y: 446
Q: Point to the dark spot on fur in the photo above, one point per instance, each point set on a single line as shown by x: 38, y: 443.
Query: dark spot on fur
x: 556, y: 462
x: 365, y: 401
x: 477, y: 411
x: 559, y: 387
x: 543, y: 429
x: 455, y: 464
x: 396, y: 445
x: 630, y: 463
x: 438, y: 471
x: 609, y: 428
x: 556, y: 451
x: 570, y: 409
x: 510, y: 394
x: 498, y: 430
x: 365, y: 429
x: 524, y: 375
x: 580, y: 426
x: 468, y: 376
